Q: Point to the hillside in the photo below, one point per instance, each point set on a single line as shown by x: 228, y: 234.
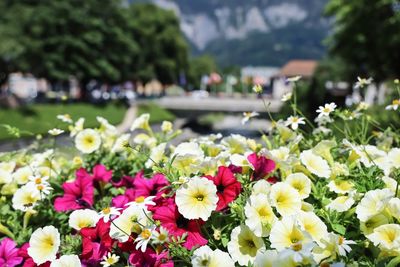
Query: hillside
x: 252, y: 32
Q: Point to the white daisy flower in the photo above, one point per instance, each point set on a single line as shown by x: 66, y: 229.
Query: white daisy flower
x: 294, y: 122
x: 65, y: 118
x: 108, y: 213
x: 362, y: 82
x: 248, y: 115
x: 326, y: 110
x: 394, y: 106
x: 55, y: 131
x: 109, y: 259
x: 286, y: 97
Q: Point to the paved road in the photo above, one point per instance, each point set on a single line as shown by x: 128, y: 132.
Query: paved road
x: 218, y: 104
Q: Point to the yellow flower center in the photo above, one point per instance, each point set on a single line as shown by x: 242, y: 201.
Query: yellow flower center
x: 89, y: 140
x: 140, y: 199
x: 162, y: 237
x: 297, y: 247
x: 106, y: 210
x: 40, y: 187
x: 111, y: 260
x: 145, y: 234
x: 250, y: 243
x: 341, y: 240
x: 199, y: 197
x: 326, y: 110
x: 396, y: 102
x: 38, y: 180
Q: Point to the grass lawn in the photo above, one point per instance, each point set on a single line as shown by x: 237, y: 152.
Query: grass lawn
x: 39, y: 118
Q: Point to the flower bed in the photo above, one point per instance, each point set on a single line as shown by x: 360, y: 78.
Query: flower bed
x: 292, y: 198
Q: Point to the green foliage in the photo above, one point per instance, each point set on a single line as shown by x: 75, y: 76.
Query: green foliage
x: 105, y: 41
x: 366, y: 36
x: 199, y: 66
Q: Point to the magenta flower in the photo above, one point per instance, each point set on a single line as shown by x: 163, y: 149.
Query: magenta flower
x: 262, y: 166
x: 150, y: 187
x: 9, y: 253
x: 101, y: 174
x: 177, y: 225
x: 228, y: 188
x: 77, y: 194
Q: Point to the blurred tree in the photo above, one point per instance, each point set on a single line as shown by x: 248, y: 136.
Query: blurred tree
x: 163, y: 50
x: 90, y: 40
x: 199, y: 66
x: 366, y: 36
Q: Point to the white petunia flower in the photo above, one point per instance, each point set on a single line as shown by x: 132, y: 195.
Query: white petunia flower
x: 141, y: 122
x: 21, y: 175
x: 244, y: 245
x: 315, y: 164
x: 387, y: 236
x: 341, y: 203
x: 259, y: 214
x: 197, y: 199
x: 312, y: 224
x: 25, y: 198
x: 301, y: 183
x: 5, y: 177
x: 67, y: 261
x: 287, y: 233
x: 79, y: 219
x: 77, y: 127
x: 341, y: 186
x: 156, y: 155
x: 373, y: 202
x: 87, y: 141
x: 285, y: 198
x: 206, y: 257
x: 44, y: 244
x: 131, y: 220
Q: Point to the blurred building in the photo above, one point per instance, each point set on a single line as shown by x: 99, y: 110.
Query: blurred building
x: 303, y: 68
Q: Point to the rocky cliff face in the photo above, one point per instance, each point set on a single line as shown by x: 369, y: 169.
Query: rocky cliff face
x: 292, y: 28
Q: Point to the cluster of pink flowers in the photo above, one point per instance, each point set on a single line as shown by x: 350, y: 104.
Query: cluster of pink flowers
x: 97, y: 242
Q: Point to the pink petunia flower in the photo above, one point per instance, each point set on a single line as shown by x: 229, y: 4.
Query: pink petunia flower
x: 78, y: 194
x: 177, y: 225
x: 150, y: 258
x: 9, y: 253
x: 262, y: 166
x: 101, y: 174
x: 96, y: 242
x: 228, y: 188
x: 150, y: 187
x: 28, y: 261
x: 142, y: 187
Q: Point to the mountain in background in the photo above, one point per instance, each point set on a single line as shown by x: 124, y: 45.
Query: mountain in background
x: 252, y: 32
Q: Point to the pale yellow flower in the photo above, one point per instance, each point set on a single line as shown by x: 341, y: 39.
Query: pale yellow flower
x: 44, y: 244
x: 197, y: 199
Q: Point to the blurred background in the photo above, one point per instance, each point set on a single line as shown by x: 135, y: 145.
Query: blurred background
x: 194, y: 62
